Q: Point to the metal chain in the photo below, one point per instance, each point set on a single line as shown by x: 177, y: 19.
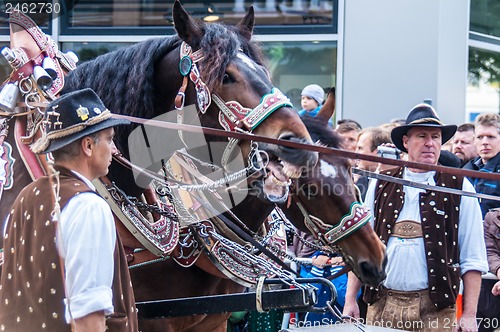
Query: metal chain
x: 279, y: 216
x: 120, y: 196
x: 220, y: 183
x: 156, y: 209
x: 285, y: 276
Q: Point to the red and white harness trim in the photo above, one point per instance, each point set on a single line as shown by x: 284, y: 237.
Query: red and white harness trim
x: 248, y: 118
x: 356, y: 218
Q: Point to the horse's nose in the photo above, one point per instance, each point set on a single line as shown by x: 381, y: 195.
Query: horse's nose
x: 371, y: 274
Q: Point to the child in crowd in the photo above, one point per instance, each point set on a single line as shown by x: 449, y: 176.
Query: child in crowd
x: 312, y: 97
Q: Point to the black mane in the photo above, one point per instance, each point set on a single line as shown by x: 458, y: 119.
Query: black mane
x: 123, y: 78
x: 220, y: 44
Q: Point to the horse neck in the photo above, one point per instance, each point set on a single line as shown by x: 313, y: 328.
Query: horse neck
x: 294, y: 214
x: 124, y: 179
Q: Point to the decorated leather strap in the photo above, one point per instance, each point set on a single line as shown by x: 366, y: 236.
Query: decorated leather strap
x: 188, y: 68
x: 234, y: 115
x: 26, y: 35
x: 237, y: 265
x: 356, y: 218
x: 160, y: 237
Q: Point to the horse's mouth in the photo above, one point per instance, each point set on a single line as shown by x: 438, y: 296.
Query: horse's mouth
x: 277, y: 179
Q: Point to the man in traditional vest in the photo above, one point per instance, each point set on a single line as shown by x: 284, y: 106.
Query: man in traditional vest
x: 434, y: 239
x: 65, y: 269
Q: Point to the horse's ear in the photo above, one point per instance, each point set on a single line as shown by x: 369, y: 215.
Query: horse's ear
x: 187, y: 29
x: 328, y: 109
x: 245, y: 26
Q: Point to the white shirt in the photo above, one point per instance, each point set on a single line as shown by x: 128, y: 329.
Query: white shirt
x: 406, y: 264
x: 88, y: 236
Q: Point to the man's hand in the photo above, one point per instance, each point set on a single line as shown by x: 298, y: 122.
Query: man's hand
x: 320, y: 261
x: 496, y: 289
x: 466, y: 323
x: 351, y: 309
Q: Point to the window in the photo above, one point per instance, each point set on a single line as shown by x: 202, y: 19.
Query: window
x: 483, y: 91
x: 485, y: 17
x: 293, y: 65
x: 289, y: 63
x: 125, y: 16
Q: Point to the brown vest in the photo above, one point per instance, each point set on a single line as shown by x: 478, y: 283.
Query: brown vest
x: 32, y: 292
x: 439, y: 214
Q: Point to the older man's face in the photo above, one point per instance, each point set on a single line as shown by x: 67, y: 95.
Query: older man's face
x: 463, y: 145
x: 423, y: 145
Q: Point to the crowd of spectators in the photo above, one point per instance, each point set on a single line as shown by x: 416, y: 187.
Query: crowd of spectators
x: 471, y: 235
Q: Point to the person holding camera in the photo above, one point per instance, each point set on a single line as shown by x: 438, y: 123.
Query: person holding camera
x: 371, y: 142
x: 433, y: 238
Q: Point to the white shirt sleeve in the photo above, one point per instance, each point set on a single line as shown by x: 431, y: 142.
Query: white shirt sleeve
x: 470, y: 233
x: 370, y: 198
x: 86, y: 242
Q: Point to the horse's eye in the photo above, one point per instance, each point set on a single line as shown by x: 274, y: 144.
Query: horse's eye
x: 227, y: 79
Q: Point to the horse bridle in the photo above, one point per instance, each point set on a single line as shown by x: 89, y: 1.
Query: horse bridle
x: 353, y: 220
x: 232, y: 115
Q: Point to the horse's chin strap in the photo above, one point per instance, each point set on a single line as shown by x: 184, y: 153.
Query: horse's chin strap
x: 356, y: 218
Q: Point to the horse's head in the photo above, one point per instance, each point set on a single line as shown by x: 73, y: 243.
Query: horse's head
x: 224, y: 76
x: 328, y: 206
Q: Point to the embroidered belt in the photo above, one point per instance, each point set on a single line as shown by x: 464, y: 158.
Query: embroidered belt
x: 407, y: 229
x: 403, y: 294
